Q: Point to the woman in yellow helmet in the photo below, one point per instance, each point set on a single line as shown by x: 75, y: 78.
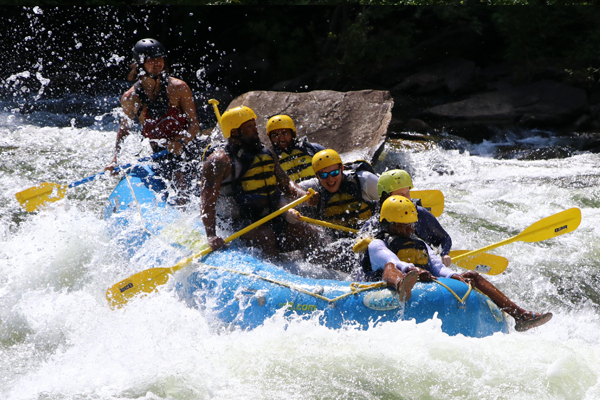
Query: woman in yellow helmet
x: 396, y: 251
x: 295, y: 154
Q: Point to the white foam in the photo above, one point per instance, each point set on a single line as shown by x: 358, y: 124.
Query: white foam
x: 59, y: 339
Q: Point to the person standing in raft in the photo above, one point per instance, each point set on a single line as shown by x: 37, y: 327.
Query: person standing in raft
x: 398, y: 182
x: 295, y: 154
x: 347, y: 196
x: 165, y: 107
x: 243, y: 182
x: 396, y: 252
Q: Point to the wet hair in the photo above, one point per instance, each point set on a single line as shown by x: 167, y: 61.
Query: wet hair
x: 384, y: 225
x: 384, y: 196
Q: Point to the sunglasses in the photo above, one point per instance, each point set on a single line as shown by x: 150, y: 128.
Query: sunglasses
x: 324, y: 175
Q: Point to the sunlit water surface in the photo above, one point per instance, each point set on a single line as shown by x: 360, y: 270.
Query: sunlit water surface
x: 59, y: 339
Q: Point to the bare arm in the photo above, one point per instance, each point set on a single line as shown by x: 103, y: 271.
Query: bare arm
x: 380, y: 256
x: 186, y: 103
x: 181, y: 95
x: 216, y: 168
x: 130, y: 104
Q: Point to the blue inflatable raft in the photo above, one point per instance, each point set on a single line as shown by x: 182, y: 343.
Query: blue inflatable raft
x: 243, y: 290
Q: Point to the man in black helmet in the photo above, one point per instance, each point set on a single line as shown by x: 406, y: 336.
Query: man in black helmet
x: 165, y: 107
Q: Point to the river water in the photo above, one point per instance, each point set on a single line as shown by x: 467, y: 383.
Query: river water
x: 59, y: 339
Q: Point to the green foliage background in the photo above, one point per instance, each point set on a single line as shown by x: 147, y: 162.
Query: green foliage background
x: 352, y: 39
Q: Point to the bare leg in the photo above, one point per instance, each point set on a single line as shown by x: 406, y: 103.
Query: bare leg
x: 300, y: 237
x: 180, y: 184
x: 263, y: 238
x: 524, y: 319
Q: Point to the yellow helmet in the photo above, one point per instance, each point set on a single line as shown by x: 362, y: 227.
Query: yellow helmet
x: 234, y: 118
x: 280, y: 122
x: 325, y: 158
x: 398, y: 209
x: 393, y: 180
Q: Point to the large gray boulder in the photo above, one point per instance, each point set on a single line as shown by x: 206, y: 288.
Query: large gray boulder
x: 544, y: 103
x: 352, y: 123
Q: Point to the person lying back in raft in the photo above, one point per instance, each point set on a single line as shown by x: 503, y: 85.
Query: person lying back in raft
x: 396, y: 252
x: 398, y: 182
x: 165, y: 107
x: 347, y: 197
x: 243, y: 182
x: 295, y: 154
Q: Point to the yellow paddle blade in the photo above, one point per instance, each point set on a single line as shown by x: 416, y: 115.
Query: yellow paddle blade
x: 547, y: 228
x: 148, y: 280
x: 33, y: 198
x: 484, y: 263
x: 362, y: 245
x: 143, y: 282
x: 552, y: 226
x: 432, y: 200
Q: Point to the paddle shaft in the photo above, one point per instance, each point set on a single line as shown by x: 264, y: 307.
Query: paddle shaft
x: 328, y: 225
x: 546, y: 228
x: 215, y: 103
x: 119, y: 168
x: 182, y: 263
x: 486, y: 248
x: 146, y: 281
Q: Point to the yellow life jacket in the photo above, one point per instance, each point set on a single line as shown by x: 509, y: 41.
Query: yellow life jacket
x: 297, y: 163
x: 346, y: 207
x: 411, y: 250
x: 255, y: 188
x: 260, y: 176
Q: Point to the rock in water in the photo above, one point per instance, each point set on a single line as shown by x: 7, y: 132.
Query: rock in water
x: 355, y: 124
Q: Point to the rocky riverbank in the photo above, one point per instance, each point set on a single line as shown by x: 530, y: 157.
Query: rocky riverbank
x: 457, y: 97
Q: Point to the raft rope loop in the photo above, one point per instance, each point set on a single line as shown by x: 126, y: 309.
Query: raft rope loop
x: 355, y: 287
x: 454, y: 293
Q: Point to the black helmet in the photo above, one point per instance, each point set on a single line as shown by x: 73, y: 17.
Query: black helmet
x: 148, y: 48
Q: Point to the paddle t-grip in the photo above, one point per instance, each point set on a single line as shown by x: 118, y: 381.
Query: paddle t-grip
x: 215, y: 103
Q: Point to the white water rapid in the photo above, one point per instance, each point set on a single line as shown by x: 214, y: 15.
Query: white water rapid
x: 59, y: 340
